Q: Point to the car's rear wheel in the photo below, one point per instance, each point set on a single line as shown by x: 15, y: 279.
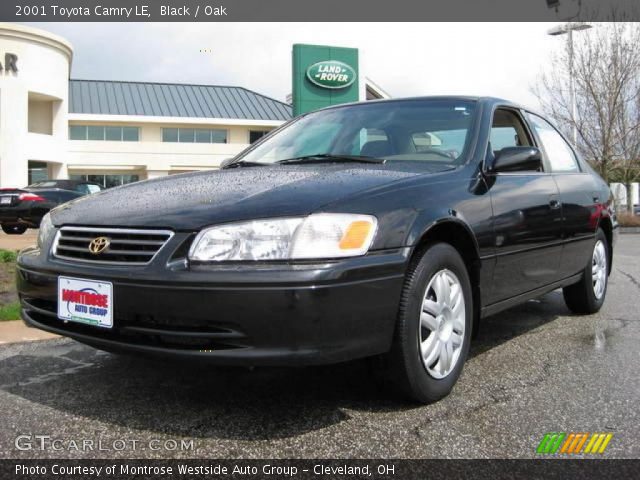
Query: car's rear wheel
x: 14, y: 229
x: 433, y: 329
x: 587, y: 295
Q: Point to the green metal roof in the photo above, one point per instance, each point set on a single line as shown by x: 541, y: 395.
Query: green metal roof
x: 106, y: 97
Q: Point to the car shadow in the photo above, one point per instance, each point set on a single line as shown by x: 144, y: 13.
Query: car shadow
x: 198, y: 401
x: 520, y: 320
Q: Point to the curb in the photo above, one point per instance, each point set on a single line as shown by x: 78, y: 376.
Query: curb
x: 629, y: 230
x: 15, y: 331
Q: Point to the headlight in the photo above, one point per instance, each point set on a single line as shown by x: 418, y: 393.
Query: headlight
x: 323, y: 235
x: 45, y: 231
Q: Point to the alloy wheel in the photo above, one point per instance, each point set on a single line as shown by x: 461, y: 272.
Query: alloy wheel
x: 599, y: 269
x: 442, y: 324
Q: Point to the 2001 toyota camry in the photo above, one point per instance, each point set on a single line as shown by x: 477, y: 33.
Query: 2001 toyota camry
x: 374, y: 229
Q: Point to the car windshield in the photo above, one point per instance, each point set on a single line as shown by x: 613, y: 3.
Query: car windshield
x: 407, y: 130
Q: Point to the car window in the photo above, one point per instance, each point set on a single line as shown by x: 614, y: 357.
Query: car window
x: 373, y: 135
x: 507, y: 130
x: 65, y: 196
x: 82, y: 188
x: 42, y: 185
x: 416, y: 130
x: 559, y: 153
x: 316, y: 138
x: 92, y: 188
x: 447, y: 141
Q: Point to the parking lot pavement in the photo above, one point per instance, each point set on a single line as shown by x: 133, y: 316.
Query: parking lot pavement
x: 18, y: 242
x: 533, y: 369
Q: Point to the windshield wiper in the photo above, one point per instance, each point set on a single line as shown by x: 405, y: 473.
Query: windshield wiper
x: 328, y: 157
x: 242, y: 163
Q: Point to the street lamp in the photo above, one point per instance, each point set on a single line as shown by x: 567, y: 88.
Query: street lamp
x: 569, y: 28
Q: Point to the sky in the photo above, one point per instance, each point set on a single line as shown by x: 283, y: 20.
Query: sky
x: 405, y: 59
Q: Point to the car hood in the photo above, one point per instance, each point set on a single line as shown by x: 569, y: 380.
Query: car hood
x: 194, y: 200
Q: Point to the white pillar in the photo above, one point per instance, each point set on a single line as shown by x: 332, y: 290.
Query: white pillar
x: 13, y: 131
x: 42, y: 63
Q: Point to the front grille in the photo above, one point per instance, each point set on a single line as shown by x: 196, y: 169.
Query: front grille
x: 125, y: 246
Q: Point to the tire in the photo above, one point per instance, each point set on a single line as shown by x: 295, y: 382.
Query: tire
x: 14, y: 229
x: 427, y: 319
x: 587, y: 295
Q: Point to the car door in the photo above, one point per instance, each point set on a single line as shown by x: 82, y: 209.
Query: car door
x: 68, y: 195
x: 578, y: 195
x: 527, y: 222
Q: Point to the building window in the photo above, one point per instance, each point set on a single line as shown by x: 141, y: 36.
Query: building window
x: 38, y: 171
x: 104, y: 132
x: 95, y: 132
x: 169, y: 134
x: 106, y: 180
x: 194, y: 135
x: 255, y: 135
x: 186, y: 135
x: 78, y: 132
x: 113, y: 134
x: 203, y: 136
x: 130, y: 134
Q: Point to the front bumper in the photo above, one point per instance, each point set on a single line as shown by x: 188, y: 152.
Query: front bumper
x: 20, y: 215
x: 267, y: 314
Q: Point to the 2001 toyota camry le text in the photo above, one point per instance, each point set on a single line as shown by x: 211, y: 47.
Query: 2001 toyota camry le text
x: 385, y: 229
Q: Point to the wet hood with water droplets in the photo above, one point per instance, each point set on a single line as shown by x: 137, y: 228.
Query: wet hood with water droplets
x: 192, y: 201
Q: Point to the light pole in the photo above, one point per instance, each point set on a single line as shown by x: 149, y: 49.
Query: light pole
x: 569, y: 28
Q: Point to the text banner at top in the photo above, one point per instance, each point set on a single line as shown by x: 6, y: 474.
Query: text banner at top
x: 316, y: 10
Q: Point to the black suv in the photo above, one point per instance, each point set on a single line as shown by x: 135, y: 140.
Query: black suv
x: 383, y: 229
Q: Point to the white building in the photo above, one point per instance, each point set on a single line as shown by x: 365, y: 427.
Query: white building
x: 620, y: 192
x: 113, y: 132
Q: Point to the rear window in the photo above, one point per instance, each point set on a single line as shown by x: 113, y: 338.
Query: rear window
x: 43, y: 185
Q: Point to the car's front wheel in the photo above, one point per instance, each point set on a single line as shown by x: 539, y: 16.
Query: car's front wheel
x: 433, y: 329
x: 14, y: 229
x: 587, y: 295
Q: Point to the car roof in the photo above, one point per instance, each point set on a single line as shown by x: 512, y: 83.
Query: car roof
x: 48, y: 189
x: 65, y: 182
x: 490, y: 101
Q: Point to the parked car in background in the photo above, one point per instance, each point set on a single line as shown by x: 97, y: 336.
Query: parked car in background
x: 74, y: 185
x: 636, y: 209
x: 381, y: 229
x: 22, y: 208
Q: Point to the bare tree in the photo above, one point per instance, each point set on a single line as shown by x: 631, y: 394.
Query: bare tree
x: 604, y: 66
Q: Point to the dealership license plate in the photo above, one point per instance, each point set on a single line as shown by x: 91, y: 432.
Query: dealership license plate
x: 85, y: 301
x: 5, y: 200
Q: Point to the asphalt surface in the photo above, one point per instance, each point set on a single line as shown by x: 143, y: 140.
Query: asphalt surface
x: 534, y: 369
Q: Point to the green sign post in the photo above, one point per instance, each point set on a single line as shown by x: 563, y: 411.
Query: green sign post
x: 323, y: 76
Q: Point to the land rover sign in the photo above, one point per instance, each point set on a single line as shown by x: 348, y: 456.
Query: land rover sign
x: 331, y: 74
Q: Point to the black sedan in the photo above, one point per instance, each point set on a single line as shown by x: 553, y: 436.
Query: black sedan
x: 22, y: 208
x: 79, y: 186
x: 381, y: 229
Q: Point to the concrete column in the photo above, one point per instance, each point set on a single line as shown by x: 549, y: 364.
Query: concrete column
x: 13, y: 132
x: 42, y: 63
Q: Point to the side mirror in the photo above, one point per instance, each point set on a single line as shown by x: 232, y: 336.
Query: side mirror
x: 517, y: 159
x: 226, y: 162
